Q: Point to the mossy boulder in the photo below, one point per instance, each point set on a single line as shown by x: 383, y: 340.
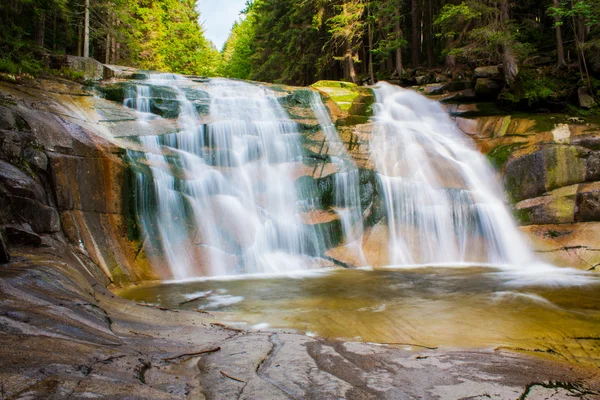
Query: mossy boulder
x: 487, y: 88
x: 556, y: 207
x: 548, y: 168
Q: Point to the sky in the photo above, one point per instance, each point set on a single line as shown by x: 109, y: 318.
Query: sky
x: 217, y: 17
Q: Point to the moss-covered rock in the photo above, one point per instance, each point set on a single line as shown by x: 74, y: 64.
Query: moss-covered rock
x: 548, y: 168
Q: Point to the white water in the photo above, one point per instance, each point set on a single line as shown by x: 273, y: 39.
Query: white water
x: 221, y: 197
x: 442, y: 200
x: 218, y: 198
x: 346, y: 181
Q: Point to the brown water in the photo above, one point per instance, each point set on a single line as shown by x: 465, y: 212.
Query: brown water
x: 433, y: 307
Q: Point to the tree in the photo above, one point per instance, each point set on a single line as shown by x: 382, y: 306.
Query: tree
x: 346, y: 28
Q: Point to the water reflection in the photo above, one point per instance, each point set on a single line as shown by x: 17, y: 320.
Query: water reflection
x: 462, y: 307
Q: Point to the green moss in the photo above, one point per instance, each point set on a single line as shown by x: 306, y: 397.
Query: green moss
x: 333, y: 84
x: 499, y: 155
x: 523, y: 217
x: 564, y: 166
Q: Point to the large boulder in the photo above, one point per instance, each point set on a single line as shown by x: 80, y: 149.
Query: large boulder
x: 90, y: 68
x: 488, y: 88
x: 492, y: 71
x: 547, y: 168
x: 585, y: 98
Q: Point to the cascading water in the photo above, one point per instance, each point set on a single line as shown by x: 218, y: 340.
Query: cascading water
x: 346, y: 181
x: 442, y: 202
x: 220, y: 197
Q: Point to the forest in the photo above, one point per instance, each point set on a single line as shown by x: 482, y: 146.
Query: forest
x: 546, y: 49
x: 161, y: 35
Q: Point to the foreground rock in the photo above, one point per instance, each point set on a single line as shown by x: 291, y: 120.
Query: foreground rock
x: 65, y: 336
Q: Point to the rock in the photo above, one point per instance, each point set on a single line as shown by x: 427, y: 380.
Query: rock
x: 91, y: 68
x: 36, y: 158
x: 423, y: 79
x: 441, y: 78
x: 22, y: 235
x: 434, y: 88
x: 462, y: 95
x: 4, y: 254
x: 43, y: 219
x: 492, y: 71
x: 588, y: 203
x: 585, y: 98
x: 166, y: 108
x: 487, y: 88
x: 447, y: 87
x: 17, y: 183
x: 556, y: 207
x: 117, y: 71
x: 546, y: 169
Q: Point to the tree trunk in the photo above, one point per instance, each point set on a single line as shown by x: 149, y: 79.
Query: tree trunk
x: 398, y: 31
x: 351, y: 72
x: 40, y: 30
x: 416, y: 36
x: 86, y: 30
x: 509, y: 60
x: 79, y: 41
x: 560, y: 49
x: 428, y: 31
x: 371, y: 73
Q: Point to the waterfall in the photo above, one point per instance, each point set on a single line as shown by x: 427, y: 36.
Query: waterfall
x: 218, y: 195
x: 442, y: 200
x: 219, y: 198
x: 346, y: 200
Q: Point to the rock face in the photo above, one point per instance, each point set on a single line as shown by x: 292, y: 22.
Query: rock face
x: 61, y: 177
x: 91, y: 68
x: 550, y: 170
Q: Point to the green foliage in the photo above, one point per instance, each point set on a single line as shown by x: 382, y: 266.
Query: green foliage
x: 535, y: 86
x: 237, y: 51
x: 153, y: 34
x: 499, y: 155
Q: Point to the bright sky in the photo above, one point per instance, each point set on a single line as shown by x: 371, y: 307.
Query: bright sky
x: 217, y: 17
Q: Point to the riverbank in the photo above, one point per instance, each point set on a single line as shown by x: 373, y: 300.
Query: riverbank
x: 66, y: 336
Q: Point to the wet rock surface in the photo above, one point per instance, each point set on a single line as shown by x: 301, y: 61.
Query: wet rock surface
x: 65, y: 336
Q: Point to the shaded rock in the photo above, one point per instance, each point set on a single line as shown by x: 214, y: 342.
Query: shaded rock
x: 441, y: 88
x: 592, y: 166
x: 22, y: 235
x: 43, y: 219
x: 585, y: 98
x: 423, y: 79
x: 4, y: 254
x: 492, y: 71
x: 15, y: 182
x: 525, y: 177
x: 441, y: 78
x: 166, y: 108
x: 487, y: 88
x: 588, y: 203
x: 462, y: 95
x: 36, y: 158
x: 91, y: 68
